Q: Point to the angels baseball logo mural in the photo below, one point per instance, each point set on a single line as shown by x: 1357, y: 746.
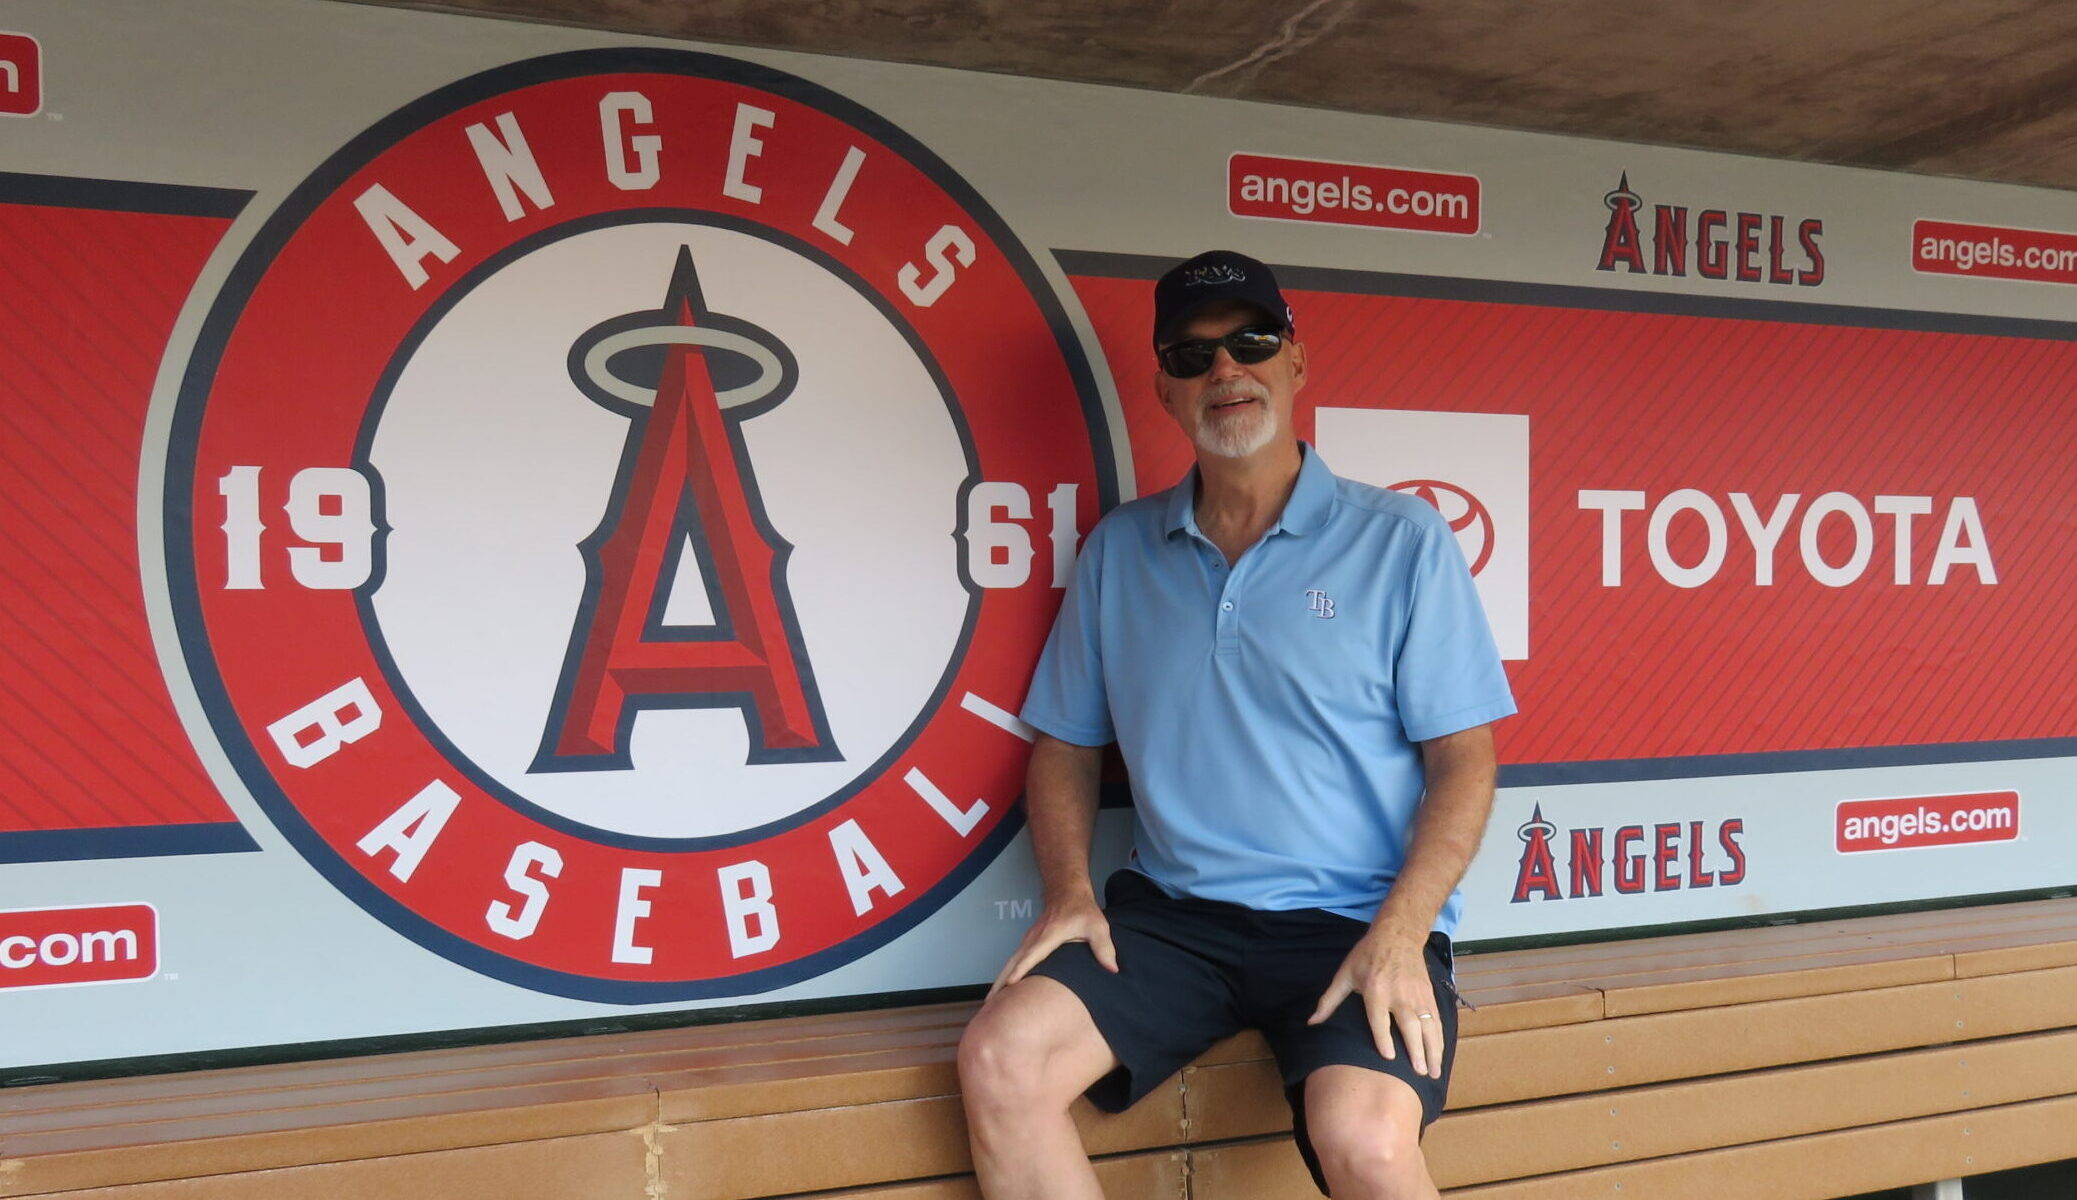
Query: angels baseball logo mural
x: 586, y: 539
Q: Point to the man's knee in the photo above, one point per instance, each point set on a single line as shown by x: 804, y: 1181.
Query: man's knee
x: 1033, y: 1044
x: 998, y: 1058
x: 1365, y: 1127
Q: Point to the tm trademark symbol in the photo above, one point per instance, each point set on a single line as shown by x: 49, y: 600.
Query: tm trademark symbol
x: 1013, y: 910
x: 170, y: 976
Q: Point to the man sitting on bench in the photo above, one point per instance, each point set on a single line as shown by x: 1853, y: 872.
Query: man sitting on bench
x: 1301, y: 681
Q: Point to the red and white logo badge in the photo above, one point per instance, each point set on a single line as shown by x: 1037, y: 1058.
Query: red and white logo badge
x: 1915, y: 822
x: 65, y: 947
x: 603, y: 514
x: 21, y: 75
x: 1337, y: 193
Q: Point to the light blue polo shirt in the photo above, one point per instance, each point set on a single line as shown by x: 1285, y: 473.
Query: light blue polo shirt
x: 1269, y: 713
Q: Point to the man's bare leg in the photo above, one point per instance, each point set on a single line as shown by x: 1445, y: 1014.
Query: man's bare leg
x: 1366, y: 1128
x: 1025, y: 1057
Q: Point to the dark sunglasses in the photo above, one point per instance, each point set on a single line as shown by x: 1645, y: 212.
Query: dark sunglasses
x: 1193, y: 357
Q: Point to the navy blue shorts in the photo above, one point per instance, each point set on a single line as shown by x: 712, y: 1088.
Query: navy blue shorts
x: 1191, y: 972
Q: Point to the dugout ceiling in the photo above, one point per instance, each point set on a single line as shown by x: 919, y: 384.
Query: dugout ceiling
x: 1985, y: 89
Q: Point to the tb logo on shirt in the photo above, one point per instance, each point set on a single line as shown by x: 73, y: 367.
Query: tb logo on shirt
x: 1319, y: 605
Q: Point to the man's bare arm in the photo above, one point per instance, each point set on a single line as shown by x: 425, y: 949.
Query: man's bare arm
x: 1388, y: 967
x: 1060, y: 796
x: 1448, y: 826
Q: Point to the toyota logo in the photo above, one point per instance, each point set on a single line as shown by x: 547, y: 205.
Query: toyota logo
x: 1467, y: 517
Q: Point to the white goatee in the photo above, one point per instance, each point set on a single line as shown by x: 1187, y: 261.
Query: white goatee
x: 1235, y: 433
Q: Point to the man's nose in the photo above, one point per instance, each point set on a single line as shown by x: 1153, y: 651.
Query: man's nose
x: 1224, y: 366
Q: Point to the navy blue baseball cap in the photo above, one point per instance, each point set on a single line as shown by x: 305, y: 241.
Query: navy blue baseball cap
x: 1214, y: 277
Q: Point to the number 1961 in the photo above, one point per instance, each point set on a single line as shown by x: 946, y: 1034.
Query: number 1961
x: 331, y: 510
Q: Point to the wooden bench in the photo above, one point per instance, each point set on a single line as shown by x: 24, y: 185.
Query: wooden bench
x: 1805, y: 1061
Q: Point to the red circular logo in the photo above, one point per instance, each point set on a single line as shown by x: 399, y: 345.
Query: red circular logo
x: 613, y: 511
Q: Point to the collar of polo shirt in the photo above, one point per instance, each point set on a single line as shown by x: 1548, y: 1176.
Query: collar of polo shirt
x: 1312, y: 498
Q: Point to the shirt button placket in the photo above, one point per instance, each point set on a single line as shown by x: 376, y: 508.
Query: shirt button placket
x: 1228, y: 623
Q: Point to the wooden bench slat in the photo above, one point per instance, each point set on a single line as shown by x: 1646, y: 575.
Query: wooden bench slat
x: 819, y: 1057
x: 574, y: 1168
x: 316, y: 1105
x: 1571, y: 1133
x: 614, y: 1095
x: 162, y: 1149
x: 609, y: 1052
x: 744, y: 1157
x: 812, y: 1151
x: 1733, y: 952
x: 2042, y: 920
x: 1695, y: 987
x: 1530, y: 1006
x: 1691, y: 980
x: 1993, y: 1005
x: 748, y: 1091
x: 225, y: 1145
x: 1146, y: 1176
x: 2014, y: 952
x: 1262, y: 1170
x: 1626, y: 1051
x: 1235, y: 1100
x: 1240, y: 1100
x: 1846, y: 1162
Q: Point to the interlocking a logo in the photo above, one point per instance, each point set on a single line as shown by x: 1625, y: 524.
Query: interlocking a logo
x: 1319, y: 605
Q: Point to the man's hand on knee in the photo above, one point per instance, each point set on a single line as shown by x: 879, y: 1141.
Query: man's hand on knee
x: 1392, y: 978
x: 1057, y: 925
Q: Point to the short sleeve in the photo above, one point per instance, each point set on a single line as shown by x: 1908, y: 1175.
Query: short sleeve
x: 1448, y: 677
x: 1067, y: 697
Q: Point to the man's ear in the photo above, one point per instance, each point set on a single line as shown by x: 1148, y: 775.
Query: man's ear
x: 1161, y: 382
x: 1297, y: 365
